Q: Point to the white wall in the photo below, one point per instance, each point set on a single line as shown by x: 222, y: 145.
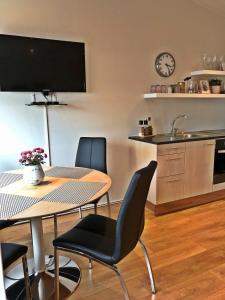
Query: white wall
x: 122, y: 38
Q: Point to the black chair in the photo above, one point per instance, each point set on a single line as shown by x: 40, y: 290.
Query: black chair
x: 12, y: 252
x: 4, y: 224
x: 91, y: 153
x: 108, y: 241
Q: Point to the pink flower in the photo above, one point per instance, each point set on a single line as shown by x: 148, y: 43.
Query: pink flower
x: 39, y: 150
x: 34, y: 157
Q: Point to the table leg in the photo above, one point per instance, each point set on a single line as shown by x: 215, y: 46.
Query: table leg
x: 43, y: 281
x: 2, y: 285
x: 38, y: 244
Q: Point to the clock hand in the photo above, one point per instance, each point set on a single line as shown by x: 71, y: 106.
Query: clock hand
x: 168, y: 65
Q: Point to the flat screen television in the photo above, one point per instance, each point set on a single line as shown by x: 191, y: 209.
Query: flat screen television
x: 33, y: 64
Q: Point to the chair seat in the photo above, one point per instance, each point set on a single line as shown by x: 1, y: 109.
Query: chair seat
x: 4, y: 224
x: 11, y: 252
x: 94, y: 236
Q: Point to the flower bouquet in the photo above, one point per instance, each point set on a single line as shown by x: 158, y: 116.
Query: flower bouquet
x: 32, y: 160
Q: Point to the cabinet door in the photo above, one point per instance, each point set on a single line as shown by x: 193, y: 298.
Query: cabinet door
x: 199, y: 161
x: 170, y: 188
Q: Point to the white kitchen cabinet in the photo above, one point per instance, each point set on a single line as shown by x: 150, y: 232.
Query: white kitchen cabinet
x: 185, y: 170
x: 199, y: 161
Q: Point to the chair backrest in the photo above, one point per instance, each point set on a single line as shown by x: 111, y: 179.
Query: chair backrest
x: 4, y: 224
x: 91, y: 153
x: 130, y: 222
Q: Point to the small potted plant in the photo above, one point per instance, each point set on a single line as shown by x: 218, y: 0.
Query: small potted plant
x: 33, y: 160
x: 215, y: 85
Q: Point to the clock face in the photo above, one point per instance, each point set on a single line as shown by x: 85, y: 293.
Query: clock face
x: 165, y: 64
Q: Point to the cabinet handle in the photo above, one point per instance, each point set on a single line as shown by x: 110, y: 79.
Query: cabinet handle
x: 173, y: 158
x: 173, y: 180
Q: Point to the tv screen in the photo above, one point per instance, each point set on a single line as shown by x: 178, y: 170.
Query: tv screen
x: 33, y: 65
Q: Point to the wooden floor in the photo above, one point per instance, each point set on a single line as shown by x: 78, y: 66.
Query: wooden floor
x: 187, y: 251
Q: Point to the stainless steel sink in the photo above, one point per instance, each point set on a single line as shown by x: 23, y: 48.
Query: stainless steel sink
x: 188, y: 135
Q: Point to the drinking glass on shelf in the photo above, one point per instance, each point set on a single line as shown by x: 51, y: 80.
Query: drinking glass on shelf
x: 192, y: 86
x: 204, y: 60
x: 221, y: 62
x: 215, y: 63
x: 209, y: 63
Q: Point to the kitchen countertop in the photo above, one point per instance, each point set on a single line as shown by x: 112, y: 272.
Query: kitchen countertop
x: 159, y: 139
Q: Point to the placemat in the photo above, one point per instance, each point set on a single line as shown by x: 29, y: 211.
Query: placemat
x: 6, y: 178
x: 75, y: 173
x: 11, y: 205
x: 74, y: 192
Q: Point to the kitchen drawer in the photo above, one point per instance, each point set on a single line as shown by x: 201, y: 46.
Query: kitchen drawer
x: 171, y: 148
x: 170, y: 188
x: 170, y: 165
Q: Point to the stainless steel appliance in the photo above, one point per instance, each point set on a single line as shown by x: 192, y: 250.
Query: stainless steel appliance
x: 219, y: 162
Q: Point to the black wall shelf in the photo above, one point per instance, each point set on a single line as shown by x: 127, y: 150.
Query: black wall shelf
x: 42, y: 103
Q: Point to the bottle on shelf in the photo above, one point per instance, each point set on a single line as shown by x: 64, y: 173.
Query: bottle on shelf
x: 141, y: 131
x: 148, y: 128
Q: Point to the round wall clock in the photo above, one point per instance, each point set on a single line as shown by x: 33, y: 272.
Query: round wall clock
x: 165, y: 64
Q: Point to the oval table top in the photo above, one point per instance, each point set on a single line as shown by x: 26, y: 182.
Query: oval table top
x: 19, y: 200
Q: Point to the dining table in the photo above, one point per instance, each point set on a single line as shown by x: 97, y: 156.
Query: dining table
x: 64, y: 189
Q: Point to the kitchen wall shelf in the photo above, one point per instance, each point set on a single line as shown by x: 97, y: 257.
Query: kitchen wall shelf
x: 183, y: 95
x: 208, y: 73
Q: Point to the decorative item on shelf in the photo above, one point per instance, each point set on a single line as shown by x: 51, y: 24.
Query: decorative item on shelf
x: 215, y: 85
x: 164, y: 89
x: 192, y: 86
x: 186, y: 83
x: 222, y: 91
x: 153, y: 88
x: 181, y: 85
x: 158, y: 88
x: 33, y: 160
x: 169, y: 89
x: 204, y: 87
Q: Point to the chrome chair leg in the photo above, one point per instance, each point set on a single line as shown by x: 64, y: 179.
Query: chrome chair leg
x: 151, y: 277
x: 95, y: 208
x: 108, y: 203
x: 122, y: 282
x: 56, y: 258
x: 55, y: 226
x: 80, y: 212
x: 90, y: 264
x: 26, y: 278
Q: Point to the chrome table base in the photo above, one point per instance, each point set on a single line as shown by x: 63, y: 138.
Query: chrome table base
x: 42, y: 284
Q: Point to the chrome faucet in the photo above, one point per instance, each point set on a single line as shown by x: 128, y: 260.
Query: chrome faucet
x: 173, y: 129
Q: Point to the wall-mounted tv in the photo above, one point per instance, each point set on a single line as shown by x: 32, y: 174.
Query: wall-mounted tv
x: 32, y: 65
